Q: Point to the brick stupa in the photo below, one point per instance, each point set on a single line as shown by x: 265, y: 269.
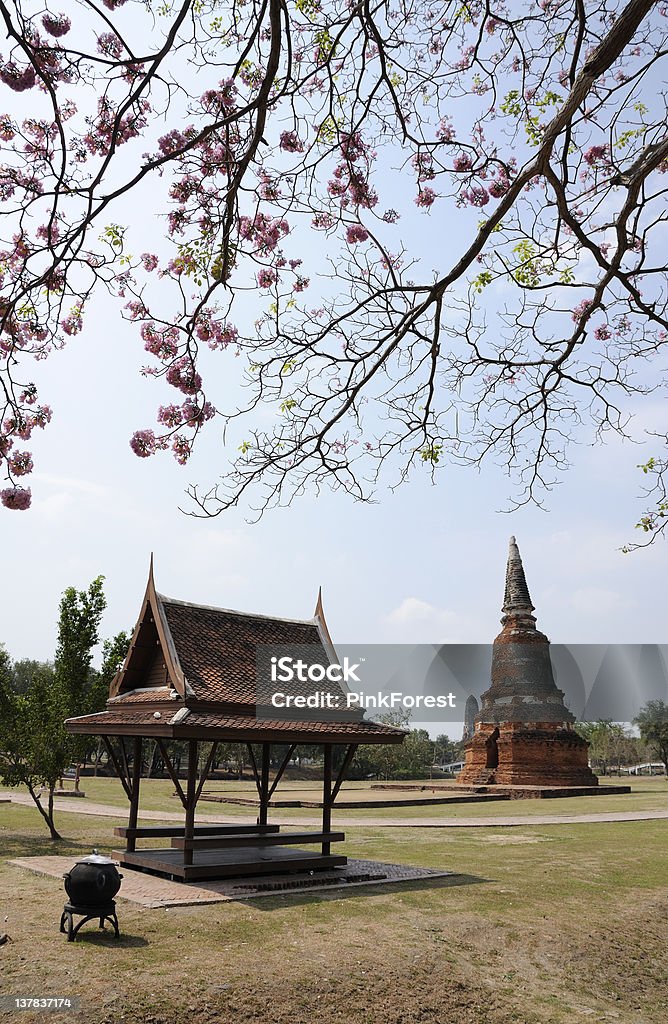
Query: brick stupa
x: 524, y: 733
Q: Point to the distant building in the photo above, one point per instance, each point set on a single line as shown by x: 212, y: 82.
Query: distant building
x: 523, y: 732
x: 470, y: 711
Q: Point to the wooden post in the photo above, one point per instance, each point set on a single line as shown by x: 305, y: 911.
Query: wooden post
x: 191, y: 798
x: 264, y: 784
x: 327, y: 797
x: 134, y: 795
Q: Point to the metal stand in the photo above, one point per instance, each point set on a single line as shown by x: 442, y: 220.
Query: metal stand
x: 107, y: 912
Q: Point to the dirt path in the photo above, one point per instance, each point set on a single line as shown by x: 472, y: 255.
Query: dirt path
x: 82, y: 806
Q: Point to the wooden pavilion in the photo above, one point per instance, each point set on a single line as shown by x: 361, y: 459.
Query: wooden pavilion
x: 191, y: 675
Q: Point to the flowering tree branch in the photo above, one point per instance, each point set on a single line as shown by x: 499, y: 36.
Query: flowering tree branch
x: 531, y: 135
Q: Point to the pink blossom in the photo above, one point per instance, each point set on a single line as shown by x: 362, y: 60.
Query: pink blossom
x: 73, y: 322
x: 109, y: 45
x: 7, y: 128
x: 56, y: 25
x: 424, y: 165
x: 143, y: 443
x: 181, y: 448
x: 20, y: 463
x: 476, y: 196
x: 581, y: 309
x: 291, y: 143
x: 111, y: 5
x: 322, y: 220
x: 356, y: 233
x: 266, y: 278
x: 16, y: 498
x: 216, y: 333
x: 462, y: 162
x: 194, y: 414
x: 301, y: 283
x: 149, y: 261
x: 595, y: 154
x: 425, y: 197
x: 603, y: 332
x: 16, y: 79
x: 170, y: 415
x: 183, y: 375
x: 161, y: 343
x: 445, y: 131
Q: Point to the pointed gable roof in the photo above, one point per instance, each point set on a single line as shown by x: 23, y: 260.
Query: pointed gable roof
x: 202, y: 661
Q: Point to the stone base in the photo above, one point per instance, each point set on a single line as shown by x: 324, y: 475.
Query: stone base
x: 526, y: 754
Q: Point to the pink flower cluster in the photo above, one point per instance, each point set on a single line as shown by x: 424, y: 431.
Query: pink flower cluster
x: 291, y: 143
x: 143, y: 443
x: 220, y: 100
x: 581, y: 309
x: 18, y: 79
x: 423, y: 164
x: 356, y: 233
x: 350, y: 179
x: 20, y: 463
x: 56, y: 25
x: 73, y: 322
x: 183, y: 375
x: 216, y: 333
x: 164, y: 344
x: 425, y: 197
x: 266, y: 232
x: 266, y: 277
x: 596, y: 155
x: 16, y: 498
x: 477, y: 195
x: 105, y: 131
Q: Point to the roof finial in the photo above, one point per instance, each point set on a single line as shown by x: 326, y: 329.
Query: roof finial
x: 516, y: 599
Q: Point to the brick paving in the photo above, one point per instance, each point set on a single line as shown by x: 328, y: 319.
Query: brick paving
x: 155, y: 892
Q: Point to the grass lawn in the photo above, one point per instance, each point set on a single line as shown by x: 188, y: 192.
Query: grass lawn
x: 549, y: 924
x: 648, y: 793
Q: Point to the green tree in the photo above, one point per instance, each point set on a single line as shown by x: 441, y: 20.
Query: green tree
x: 34, y: 749
x: 23, y: 671
x: 652, y: 720
x: 80, y: 615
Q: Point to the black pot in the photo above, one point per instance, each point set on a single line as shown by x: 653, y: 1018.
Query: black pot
x: 93, y: 881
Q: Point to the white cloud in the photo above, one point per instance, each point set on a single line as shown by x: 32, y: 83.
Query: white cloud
x: 417, y: 621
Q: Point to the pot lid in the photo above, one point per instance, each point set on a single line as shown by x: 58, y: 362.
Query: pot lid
x: 95, y: 858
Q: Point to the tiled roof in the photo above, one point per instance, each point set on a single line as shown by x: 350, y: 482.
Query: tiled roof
x: 242, y: 728
x: 217, y: 648
x: 146, y: 695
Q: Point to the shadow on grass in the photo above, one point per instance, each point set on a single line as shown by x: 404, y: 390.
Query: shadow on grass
x: 13, y: 845
x: 105, y: 937
x: 296, y: 898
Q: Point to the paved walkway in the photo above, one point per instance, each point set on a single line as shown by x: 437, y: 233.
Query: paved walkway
x: 80, y: 805
x: 153, y: 891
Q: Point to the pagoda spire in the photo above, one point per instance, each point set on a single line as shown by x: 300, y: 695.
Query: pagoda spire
x: 517, y: 604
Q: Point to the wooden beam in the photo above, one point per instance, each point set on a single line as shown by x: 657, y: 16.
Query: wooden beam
x: 191, y: 802
x: 350, y: 753
x: 171, y: 771
x: 207, y: 768
x: 264, y: 791
x: 134, y: 799
x: 327, y: 797
x: 124, y: 757
x: 256, y: 774
x: 119, y: 770
x: 279, y: 773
